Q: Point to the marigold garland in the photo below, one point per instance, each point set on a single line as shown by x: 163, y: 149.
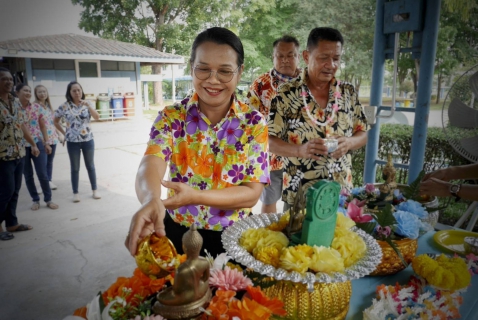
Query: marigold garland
x: 443, y: 272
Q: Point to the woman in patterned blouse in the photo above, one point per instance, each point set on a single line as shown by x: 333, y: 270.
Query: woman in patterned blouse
x: 78, y: 136
x: 42, y: 99
x: 214, y: 146
x: 36, y: 126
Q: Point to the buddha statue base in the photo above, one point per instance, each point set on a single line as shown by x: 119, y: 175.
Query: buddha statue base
x: 186, y: 311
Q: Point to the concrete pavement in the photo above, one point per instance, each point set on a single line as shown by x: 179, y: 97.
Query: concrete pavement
x: 76, y: 251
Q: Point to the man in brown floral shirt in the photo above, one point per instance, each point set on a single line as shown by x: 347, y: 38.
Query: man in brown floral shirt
x: 12, y: 151
x: 310, y: 108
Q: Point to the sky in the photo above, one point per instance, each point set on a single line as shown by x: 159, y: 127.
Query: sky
x: 30, y: 18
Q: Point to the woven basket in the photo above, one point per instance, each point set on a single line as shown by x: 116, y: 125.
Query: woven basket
x: 327, y: 301
x: 391, y: 263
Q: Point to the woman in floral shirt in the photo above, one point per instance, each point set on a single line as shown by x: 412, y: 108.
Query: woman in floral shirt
x: 214, y: 146
x: 42, y: 100
x: 77, y: 112
x: 34, y: 125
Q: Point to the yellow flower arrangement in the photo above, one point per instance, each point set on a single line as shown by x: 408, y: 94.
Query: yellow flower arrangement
x: 269, y: 255
x: 269, y: 246
x: 262, y: 237
x: 326, y: 260
x: 296, y: 258
x: 281, y: 224
x: 442, y: 272
x: 349, y: 244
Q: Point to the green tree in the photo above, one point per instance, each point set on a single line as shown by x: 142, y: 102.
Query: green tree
x: 166, y: 25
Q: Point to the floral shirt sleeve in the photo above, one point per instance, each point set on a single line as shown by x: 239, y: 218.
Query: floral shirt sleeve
x: 232, y: 152
x: 46, y: 116
x: 32, y: 122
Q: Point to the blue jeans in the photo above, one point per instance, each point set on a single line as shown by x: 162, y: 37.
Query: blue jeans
x: 40, y: 168
x: 74, y: 151
x: 11, y: 182
x: 49, y: 161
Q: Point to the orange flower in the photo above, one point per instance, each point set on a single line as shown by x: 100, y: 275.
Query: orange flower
x: 242, y: 157
x: 190, y: 219
x: 183, y: 157
x: 204, y: 163
x: 81, y: 312
x: 179, y: 217
x: 248, y: 309
x: 294, y: 138
x: 275, y: 306
x: 263, y: 136
x: 199, y: 136
x: 216, y: 176
x: 153, y: 149
x: 189, y: 139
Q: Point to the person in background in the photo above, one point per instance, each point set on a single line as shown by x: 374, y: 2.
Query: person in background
x: 42, y: 99
x: 35, y: 126
x: 437, y: 183
x: 12, y: 153
x: 78, y: 136
x: 262, y: 91
x: 310, y: 108
x: 214, y: 146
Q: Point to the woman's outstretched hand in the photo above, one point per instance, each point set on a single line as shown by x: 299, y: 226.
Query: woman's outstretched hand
x: 148, y: 219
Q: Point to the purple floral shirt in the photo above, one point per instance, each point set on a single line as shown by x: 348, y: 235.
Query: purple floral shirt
x: 206, y: 157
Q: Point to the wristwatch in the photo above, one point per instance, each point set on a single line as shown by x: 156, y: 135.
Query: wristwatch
x: 454, y: 189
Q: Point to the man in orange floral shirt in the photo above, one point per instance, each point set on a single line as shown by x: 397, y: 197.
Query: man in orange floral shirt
x: 262, y: 91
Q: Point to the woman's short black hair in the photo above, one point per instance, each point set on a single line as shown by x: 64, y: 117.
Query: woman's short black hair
x: 68, y: 89
x: 323, y: 33
x: 218, y: 35
x: 20, y: 86
x: 2, y: 69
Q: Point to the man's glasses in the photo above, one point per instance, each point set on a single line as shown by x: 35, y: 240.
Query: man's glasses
x: 223, y: 76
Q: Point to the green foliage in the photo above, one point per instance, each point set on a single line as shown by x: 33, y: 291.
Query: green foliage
x: 397, y: 139
x: 260, y: 280
x: 412, y: 191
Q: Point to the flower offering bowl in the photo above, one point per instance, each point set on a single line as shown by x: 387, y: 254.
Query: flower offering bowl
x: 391, y: 263
x: 308, y: 296
x: 156, y: 256
x: 471, y: 245
x: 331, y: 144
x: 326, y: 301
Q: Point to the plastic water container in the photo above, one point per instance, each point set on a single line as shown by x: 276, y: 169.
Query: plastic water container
x: 90, y: 97
x: 103, y: 105
x: 117, y: 105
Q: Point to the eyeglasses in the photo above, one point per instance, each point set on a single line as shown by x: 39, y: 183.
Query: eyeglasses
x: 223, y: 76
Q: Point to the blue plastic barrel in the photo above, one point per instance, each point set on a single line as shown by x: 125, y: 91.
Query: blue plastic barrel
x: 117, y: 105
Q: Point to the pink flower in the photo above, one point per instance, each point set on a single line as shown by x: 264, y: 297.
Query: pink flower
x: 369, y: 188
x: 384, y: 231
x: 229, y: 279
x: 337, y: 95
x: 338, y: 83
x: 304, y: 93
x: 335, y: 107
x: 356, y: 213
x: 358, y: 203
x: 471, y: 257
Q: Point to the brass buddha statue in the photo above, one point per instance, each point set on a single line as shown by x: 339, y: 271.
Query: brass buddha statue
x: 190, y: 290
x: 388, y: 174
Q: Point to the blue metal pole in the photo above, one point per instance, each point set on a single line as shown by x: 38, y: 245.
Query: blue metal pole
x: 427, y: 64
x: 378, y: 69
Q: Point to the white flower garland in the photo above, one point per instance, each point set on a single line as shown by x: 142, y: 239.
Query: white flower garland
x: 335, y: 106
